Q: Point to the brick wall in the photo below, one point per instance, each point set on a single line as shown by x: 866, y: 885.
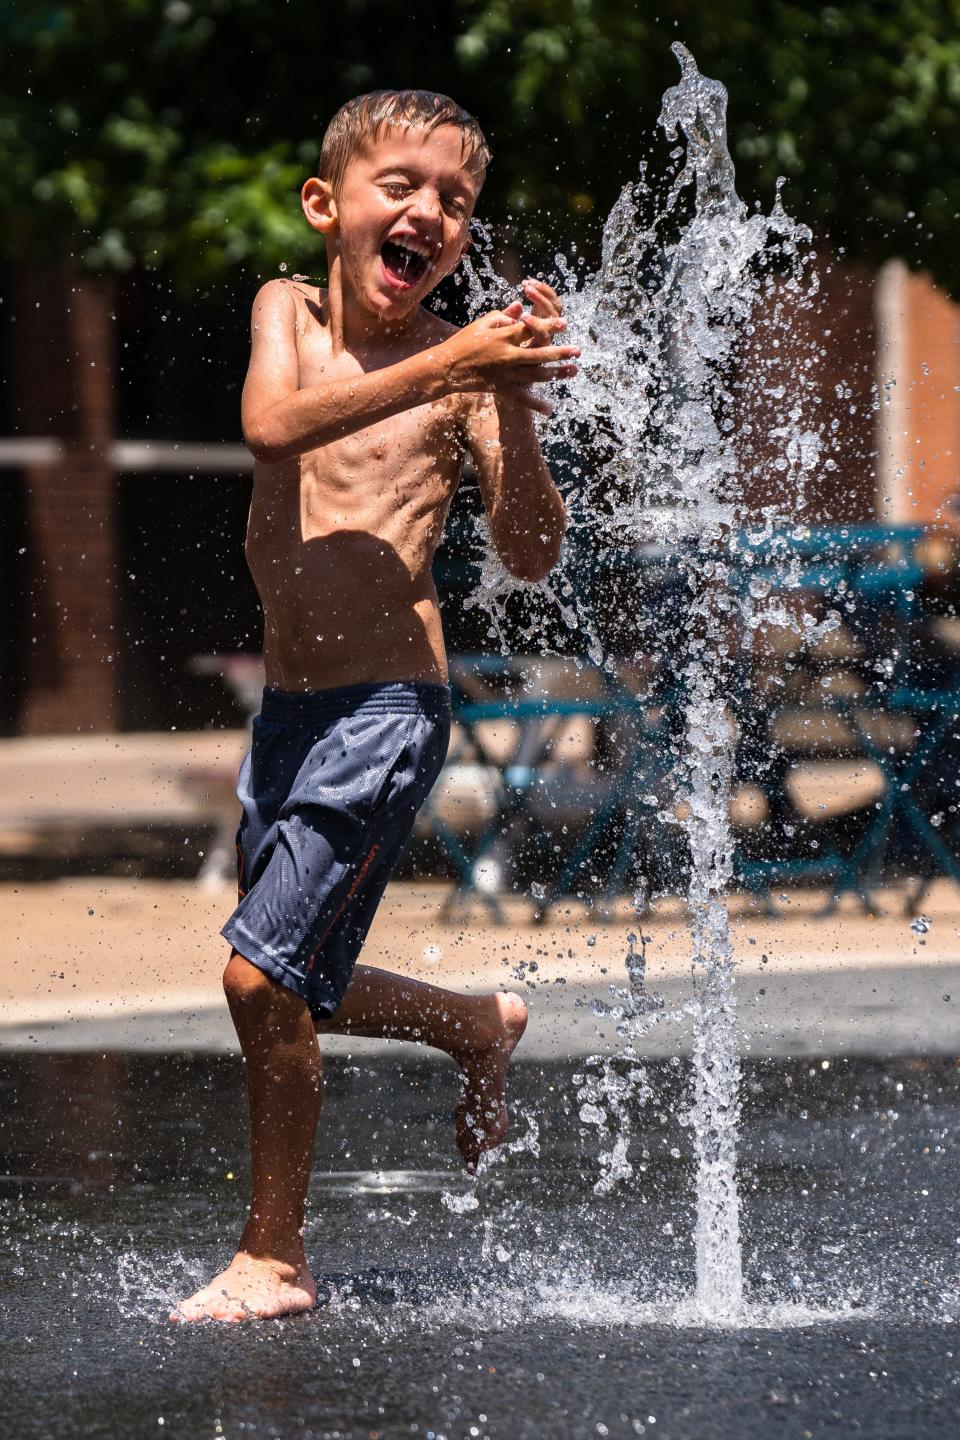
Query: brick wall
x: 886, y: 353
x: 63, y: 380
x: 918, y: 372
x: 832, y: 343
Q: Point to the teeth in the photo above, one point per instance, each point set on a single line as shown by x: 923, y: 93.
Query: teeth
x: 411, y: 260
x: 416, y: 246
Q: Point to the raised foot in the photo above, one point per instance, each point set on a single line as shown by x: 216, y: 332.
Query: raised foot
x: 481, y: 1116
x: 251, y: 1289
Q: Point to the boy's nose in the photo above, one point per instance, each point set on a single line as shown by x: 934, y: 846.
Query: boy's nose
x: 426, y: 204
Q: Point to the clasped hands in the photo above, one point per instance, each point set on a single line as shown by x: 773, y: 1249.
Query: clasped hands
x: 493, y: 353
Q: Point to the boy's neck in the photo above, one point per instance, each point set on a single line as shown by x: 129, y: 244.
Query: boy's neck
x: 352, y: 326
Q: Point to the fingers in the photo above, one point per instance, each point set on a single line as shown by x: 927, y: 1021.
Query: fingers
x: 542, y: 329
x: 514, y: 332
x: 528, y: 376
x: 541, y: 374
x: 542, y: 297
x: 530, y: 332
x: 555, y: 354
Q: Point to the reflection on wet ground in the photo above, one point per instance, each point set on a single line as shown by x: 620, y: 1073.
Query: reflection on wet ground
x: 529, y: 1308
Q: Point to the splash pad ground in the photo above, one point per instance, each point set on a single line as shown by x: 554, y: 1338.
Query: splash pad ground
x: 545, y: 1310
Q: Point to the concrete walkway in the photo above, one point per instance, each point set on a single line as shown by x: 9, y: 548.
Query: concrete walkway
x: 119, y: 964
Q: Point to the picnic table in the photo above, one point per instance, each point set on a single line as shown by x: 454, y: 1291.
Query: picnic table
x: 536, y: 784
x: 873, y: 709
x: 874, y: 704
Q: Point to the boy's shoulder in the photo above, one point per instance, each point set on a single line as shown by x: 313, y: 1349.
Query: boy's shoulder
x: 286, y: 294
x: 303, y: 302
x: 292, y: 293
x: 436, y: 329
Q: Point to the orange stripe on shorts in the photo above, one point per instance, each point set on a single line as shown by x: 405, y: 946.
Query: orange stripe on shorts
x: 358, y: 880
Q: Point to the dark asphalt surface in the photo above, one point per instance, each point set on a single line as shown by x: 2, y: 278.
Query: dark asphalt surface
x: 545, y: 1311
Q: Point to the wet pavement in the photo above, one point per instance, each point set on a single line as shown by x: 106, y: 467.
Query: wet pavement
x: 526, y: 1307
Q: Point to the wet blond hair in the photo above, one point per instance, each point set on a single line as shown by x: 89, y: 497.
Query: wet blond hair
x: 365, y: 118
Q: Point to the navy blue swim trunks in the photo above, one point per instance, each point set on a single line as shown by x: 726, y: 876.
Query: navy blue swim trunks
x: 330, y: 790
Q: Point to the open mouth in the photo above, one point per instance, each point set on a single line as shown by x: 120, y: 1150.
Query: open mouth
x: 404, y: 266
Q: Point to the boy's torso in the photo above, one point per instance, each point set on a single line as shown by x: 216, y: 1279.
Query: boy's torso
x: 340, y: 540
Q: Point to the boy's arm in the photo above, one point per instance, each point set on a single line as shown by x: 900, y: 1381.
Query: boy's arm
x: 527, y: 515
x: 281, y: 421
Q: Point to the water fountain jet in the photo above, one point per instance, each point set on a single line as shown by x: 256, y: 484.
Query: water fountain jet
x: 661, y: 324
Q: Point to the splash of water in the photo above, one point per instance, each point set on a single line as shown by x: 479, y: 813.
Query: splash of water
x: 662, y: 417
x: 662, y: 323
x: 657, y: 412
x: 711, y: 258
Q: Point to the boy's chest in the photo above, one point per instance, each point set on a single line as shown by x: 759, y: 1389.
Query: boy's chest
x: 432, y: 431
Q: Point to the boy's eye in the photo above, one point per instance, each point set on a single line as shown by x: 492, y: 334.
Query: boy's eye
x: 457, y: 206
x: 394, y: 188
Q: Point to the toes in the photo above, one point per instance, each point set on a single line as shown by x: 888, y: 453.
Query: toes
x: 211, y: 1311
x: 474, y: 1135
x: 186, y: 1312
x: 206, y: 1306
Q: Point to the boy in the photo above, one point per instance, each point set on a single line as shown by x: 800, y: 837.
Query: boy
x: 358, y: 407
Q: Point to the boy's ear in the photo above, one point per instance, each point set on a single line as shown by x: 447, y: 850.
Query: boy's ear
x: 319, y: 206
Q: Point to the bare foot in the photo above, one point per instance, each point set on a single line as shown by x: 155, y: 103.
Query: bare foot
x: 481, y: 1115
x: 251, y: 1289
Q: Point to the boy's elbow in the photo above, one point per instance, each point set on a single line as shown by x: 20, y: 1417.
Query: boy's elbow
x: 532, y: 574
x: 533, y: 561
x: 259, y: 450
x: 263, y: 445
x: 535, y: 569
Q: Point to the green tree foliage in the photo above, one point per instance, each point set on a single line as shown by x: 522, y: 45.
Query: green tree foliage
x: 175, y: 135
x: 857, y: 104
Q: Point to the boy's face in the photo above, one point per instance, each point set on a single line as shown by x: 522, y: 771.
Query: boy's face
x: 401, y: 218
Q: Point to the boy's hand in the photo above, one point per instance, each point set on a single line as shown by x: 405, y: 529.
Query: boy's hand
x: 545, y: 305
x: 493, y: 353
x: 545, y: 309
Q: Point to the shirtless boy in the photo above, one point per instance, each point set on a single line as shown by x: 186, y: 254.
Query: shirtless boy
x: 359, y: 407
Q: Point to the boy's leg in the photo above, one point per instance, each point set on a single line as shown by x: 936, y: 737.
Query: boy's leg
x: 269, y: 1275
x: 480, y: 1032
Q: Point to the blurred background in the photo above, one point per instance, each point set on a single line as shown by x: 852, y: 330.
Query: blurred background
x: 150, y: 161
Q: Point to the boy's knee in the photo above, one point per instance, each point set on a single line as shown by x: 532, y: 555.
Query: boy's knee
x: 244, y: 984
